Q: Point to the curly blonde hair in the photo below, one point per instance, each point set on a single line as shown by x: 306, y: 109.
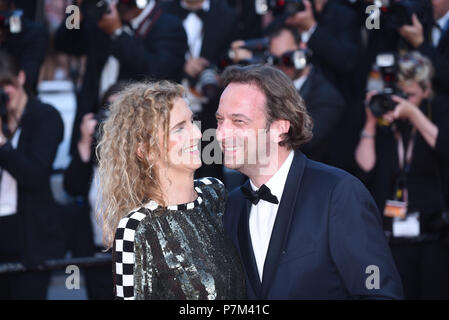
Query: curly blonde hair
x: 129, y: 148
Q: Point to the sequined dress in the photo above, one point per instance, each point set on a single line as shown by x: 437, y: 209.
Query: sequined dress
x: 178, y: 252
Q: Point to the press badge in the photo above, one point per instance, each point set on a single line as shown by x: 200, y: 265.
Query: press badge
x: 407, y: 227
x: 395, y: 209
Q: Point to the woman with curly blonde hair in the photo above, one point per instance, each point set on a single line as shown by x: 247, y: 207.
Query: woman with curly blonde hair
x: 164, y: 227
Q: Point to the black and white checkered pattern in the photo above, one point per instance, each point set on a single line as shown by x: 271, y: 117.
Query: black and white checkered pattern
x: 124, y: 240
x: 124, y: 255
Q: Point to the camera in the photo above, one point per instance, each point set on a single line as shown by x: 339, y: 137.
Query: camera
x: 382, y: 103
x: 298, y: 59
x: 279, y: 7
x: 208, y: 82
x: 11, y: 21
x: 4, y: 98
x: 395, y: 13
x: 259, y: 49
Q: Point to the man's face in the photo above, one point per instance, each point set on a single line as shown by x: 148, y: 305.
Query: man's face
x: 440, y: 7
x: 241, y: 125
x: 281, y: 44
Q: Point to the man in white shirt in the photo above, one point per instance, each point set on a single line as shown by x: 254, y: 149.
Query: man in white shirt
x: 304, y: 230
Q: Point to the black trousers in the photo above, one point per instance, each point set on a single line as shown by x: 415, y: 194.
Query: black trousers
x: 29, y: 286
x: 424, y: 269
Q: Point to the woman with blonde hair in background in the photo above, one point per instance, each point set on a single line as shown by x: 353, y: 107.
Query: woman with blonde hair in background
x: 169, y: 241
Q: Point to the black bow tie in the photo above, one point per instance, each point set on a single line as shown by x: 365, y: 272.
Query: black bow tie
x: 182, y: 12
x: 263, y: 193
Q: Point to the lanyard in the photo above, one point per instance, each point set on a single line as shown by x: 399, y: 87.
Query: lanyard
x: 405, y: 155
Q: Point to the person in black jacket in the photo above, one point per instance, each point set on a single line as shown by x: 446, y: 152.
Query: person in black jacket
x: 30, y: 230
x: 126, y: 43
x: 437, y: 49
x: 29, y: 46
x: 323, y: 102
x: 399, y: 164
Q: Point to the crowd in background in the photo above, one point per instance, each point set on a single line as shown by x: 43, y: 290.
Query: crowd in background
x: 346, y: 71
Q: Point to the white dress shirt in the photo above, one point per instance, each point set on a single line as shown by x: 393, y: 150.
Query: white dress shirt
x: 193, y: 26
x: 436, y: 32
x: 8, y: 186
x: 263, y: 215
x: 110, y: 72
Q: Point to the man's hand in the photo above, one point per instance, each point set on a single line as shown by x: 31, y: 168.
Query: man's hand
x: 303, y: 20
x: 413, y: 33
x: 238, y: 53
x: 371, y: 120
x: 194, y: 66
x: 110, y: 22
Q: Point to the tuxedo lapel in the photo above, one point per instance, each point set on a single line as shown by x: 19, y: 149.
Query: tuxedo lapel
x: 444, y: 41
x: 307, y: 86
x: 246, y: 247
x: 284, y: 216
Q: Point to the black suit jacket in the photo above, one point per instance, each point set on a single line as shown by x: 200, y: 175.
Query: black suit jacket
x: 31, y: 165
x: 158, y: 55
x: 326, y: 235
x: 325, y: 105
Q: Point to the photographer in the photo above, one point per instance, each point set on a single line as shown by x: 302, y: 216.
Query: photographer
x: 24, y: 39
x: 399, y: 164
x: 30, y: 230
x: 81, y: 179
x: 324, y: 103
x: 122, y: 41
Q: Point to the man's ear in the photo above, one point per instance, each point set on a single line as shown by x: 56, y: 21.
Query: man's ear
x: 279, y: 128
x: 22, y: 78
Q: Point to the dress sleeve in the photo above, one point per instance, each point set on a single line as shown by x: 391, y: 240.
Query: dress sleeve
x: 127, y: 255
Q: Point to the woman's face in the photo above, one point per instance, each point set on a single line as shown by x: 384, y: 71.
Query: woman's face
x: 414, y: 91
x: 183, y: 140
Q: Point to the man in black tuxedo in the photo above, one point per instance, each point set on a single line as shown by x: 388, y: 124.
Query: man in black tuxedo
x: 324, y: 103
x: 304, y: 230
x: 128, y: 42
x: 210, y: 26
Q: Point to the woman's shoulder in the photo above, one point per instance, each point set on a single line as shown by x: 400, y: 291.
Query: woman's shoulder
x: 128, y: 225
x: 210, y: 184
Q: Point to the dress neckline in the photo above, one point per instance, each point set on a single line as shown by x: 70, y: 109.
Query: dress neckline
x: 153, y: 205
